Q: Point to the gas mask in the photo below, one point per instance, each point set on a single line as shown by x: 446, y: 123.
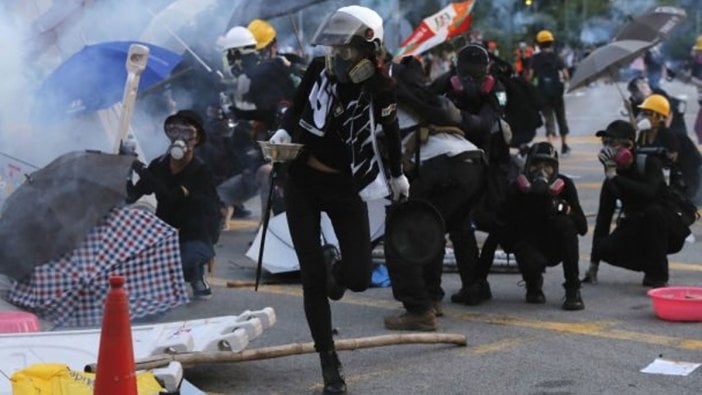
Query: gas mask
x: 540, y: 185
x: 643, y: 123
x: 540, y: 179
x: 183, y: 138
x: 178, y: 149
x: 348, y: 65
x: 240, y: 62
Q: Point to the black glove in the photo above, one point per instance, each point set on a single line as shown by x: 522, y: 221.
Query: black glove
x: 139, y: 167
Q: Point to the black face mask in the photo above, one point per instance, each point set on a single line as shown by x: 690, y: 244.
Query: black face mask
x: 242, y: 64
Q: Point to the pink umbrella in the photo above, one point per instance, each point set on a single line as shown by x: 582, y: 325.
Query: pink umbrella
x: 451, y: 21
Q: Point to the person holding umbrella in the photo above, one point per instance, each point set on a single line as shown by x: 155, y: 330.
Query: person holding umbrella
x: 337, y: 112
x: 186, y: 196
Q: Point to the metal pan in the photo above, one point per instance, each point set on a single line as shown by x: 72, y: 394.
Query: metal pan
x: 414, y: 233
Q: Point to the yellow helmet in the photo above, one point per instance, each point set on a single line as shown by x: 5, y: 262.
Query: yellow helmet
x: 263, y: 31
x: 658, y: 104
x: 698, y: 44
x: 544, y: 36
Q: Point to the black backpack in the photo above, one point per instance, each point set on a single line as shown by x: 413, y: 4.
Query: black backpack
x: 548, y: 79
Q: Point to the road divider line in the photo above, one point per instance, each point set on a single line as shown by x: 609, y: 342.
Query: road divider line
x: 601, y: 329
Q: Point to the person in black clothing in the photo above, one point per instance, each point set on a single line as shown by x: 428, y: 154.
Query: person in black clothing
x: 449, y: 176
x: 477, y: 94
x: 336, y: 113
x: 663, y: 125
x: 642, y: 237
x: 542, y: 220
x: 186, y: 196
x: 548, y: 71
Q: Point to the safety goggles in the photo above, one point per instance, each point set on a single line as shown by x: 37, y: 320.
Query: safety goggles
x: 181, y: 131
x: 344, y: 52
x: 647, y: 113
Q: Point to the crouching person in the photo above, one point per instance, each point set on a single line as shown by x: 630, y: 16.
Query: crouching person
x: 647, y: 228
x: 543, y: 218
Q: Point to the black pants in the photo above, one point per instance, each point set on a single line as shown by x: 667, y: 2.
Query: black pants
x: 308, y: 193
x: 554, y: 112
x: 451, y: 184
x: 639, y: 242
x: 557, y: 242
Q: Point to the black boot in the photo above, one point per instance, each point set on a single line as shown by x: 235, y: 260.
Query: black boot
x: 573, y: 301
x: 332, y: 373
x: 534, y: 293
x: 331, y: 256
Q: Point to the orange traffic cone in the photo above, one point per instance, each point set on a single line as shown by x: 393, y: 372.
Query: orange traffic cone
x: 115, y: 373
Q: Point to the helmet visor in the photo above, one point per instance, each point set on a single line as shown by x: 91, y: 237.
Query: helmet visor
x: 339, y: 28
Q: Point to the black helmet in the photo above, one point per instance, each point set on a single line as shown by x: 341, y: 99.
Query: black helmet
x: 472, y: 59
x: 542, y: 152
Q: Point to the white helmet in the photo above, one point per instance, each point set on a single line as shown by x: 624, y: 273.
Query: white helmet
x: 238, y: 37
x: 348, y: 22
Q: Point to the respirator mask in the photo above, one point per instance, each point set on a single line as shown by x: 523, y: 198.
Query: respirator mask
x: 623, y: 156
x: 183, y: 138
x: 643, y: 122
x: 348, y: 65
x: 540, y: 179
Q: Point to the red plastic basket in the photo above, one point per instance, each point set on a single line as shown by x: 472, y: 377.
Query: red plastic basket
x: 18, y: 322
x: 677, y: 303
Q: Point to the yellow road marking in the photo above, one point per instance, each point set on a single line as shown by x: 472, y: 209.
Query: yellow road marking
x: 600, y: 329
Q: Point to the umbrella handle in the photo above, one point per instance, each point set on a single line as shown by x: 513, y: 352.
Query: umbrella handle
x: 137, y: 58
x: 264, y: 227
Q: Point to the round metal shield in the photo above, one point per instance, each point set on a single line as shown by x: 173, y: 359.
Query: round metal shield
x: 414, y: 233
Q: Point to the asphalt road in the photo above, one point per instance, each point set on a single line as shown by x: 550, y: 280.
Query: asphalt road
x: 513, y: 347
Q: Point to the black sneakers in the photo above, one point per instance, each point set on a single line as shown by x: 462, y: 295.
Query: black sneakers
x: 573, y: 301
x: 201, y: 290
x: 565, y: 149
x: 332, y: 373
x: 473, y: 294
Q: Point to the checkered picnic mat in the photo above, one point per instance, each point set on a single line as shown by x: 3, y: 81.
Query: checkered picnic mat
x: 71, y: 290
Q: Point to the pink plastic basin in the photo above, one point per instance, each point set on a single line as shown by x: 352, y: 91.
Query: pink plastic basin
x: 677, y: 303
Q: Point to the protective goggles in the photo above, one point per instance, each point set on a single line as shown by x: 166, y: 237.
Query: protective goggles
x: 181, y: 131
x: 344, y: 52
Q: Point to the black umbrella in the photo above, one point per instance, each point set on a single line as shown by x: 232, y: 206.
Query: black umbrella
x: 606, y: 61
x: 653, y: 26
x: 55, y: 208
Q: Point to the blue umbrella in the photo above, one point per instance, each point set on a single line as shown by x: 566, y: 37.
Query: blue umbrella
x: 94, y: 77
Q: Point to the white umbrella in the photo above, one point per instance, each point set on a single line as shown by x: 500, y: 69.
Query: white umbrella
x: 279, y: 254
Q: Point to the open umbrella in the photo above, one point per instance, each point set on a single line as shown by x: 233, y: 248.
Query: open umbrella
x: 653, y: 26
x: 55, y: 208
x: 279, y: 253
x: 446, y: 24
x: 71, y: 290
x: 93, y: 78
x: 606, y: 61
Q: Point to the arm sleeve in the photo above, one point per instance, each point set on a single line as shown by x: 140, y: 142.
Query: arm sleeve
x: 292, y: 115
x: 477, y: 127
x: 386, y: 111
x: 604, y: 216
